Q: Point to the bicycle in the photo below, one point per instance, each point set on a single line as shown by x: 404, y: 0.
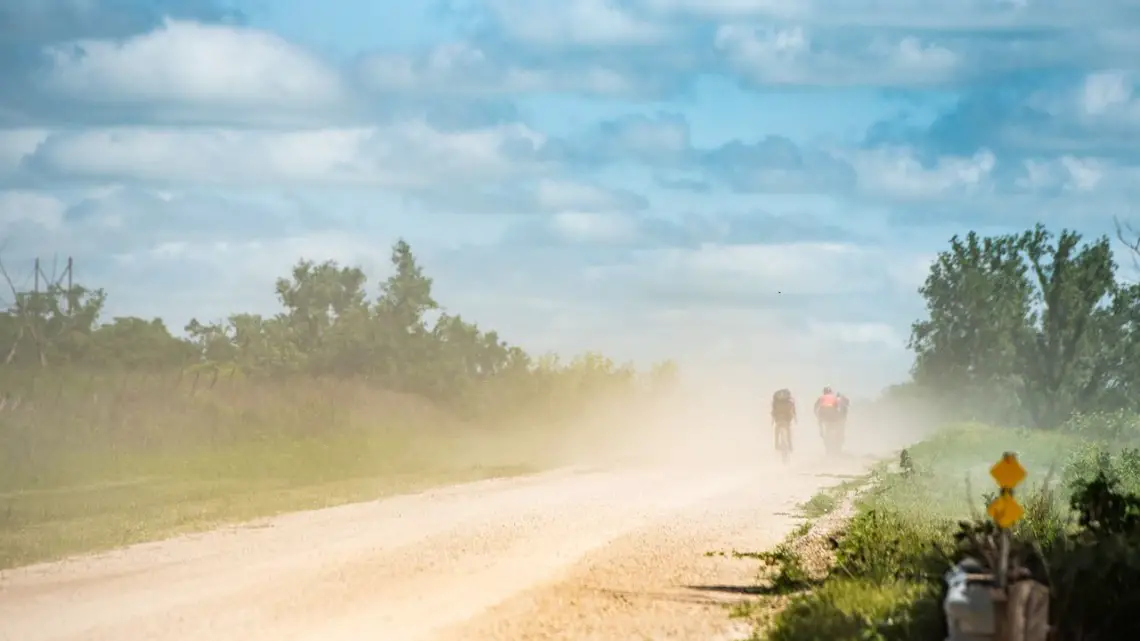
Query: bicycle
x: 832, y: 430
x: 783, y: 445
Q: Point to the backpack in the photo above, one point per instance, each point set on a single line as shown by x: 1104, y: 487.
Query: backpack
x: 782, y: 404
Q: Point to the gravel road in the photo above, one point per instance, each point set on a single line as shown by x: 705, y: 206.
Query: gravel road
x: 613, y: 554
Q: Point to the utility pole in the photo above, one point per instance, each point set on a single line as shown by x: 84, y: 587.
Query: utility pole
x: 69, y: 296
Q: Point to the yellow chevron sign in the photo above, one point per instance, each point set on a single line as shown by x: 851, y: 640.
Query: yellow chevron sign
x: 1005, y: 511
x: 1008, y: 471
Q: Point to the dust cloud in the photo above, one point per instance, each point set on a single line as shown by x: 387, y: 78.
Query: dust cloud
x: 672, y: 477
x: 715, y: 419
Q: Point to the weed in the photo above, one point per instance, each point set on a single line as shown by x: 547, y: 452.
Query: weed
x: 860, y: 610
x: 819, y: 505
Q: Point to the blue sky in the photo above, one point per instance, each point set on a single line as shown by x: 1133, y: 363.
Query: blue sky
x: 748, y: 186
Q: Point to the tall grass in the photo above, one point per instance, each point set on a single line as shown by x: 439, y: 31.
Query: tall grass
x: 93, y: 459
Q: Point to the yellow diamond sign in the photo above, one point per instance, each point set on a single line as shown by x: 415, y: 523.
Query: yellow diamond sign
x: 1008, y: 472
x: 1005, y: 511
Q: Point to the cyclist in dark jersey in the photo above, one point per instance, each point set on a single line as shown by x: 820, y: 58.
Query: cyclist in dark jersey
x: 844, y: 406
x: 783, y: 415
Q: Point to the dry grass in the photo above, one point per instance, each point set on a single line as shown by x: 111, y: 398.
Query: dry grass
x: 93, y: 460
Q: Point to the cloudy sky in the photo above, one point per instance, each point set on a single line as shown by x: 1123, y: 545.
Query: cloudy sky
x: 748, y: 183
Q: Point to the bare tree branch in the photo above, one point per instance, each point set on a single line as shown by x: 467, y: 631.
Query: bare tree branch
x: 1129, y: 235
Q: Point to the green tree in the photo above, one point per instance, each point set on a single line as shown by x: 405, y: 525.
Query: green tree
x: 401, y: 340
x: 1018, y: 324
x: 978, y: 299
x: 317, y: 296
x: 212, y: 342
x: 139, y: 343
x: 1059, y: 354
x: 402, y: 336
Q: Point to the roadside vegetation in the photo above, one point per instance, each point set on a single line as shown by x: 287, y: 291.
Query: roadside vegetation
x: 1035, y: 333
x: 116, y: 431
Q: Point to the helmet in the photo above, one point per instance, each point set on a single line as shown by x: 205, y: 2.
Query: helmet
x: 827, y: 390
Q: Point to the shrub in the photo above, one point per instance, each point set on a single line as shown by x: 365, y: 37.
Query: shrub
x: 881, y: 545
x: 1118, y: 427
x: 861, y: 610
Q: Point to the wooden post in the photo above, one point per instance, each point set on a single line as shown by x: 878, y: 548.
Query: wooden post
x: 1027, y: 611
x: 1021, y: 612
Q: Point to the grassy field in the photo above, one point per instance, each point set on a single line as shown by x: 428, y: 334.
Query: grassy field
x: 97, y: 461
x: 886, y: 569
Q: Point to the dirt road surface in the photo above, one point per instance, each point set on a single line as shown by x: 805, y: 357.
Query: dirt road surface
x: 603, y: 554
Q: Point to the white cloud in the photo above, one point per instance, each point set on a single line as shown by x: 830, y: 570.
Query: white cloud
x: 879, y: 334
x: 574, y: 22
x: 1108, y: 101
x: 799, y: 267
x: 30, y: 207
x: 464, y: 69
x: 1099, y: 114
x: 16, y: 144
x: 653, y: 137
x: 592, y: 227
x: 791, y: 56
x: 913, y: 14
x: 1065, y: 174
x: 1104, y: 91
x: 408, y: 155
x: 261, y: 261
x: 897, y: 174
x: 909, y: 271
x: 184, y: 67
x: 736, y: 274
x: 563, y: 195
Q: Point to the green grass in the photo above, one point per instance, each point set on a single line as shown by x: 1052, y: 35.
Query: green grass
x: 146, y: 497
x: 892, y: 553
x: 858, y: 610
x: 829, y: 499
x: 95, y: 462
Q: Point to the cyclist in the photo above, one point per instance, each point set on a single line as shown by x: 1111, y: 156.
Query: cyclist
x: 844, y: 405
x: 826, y: 408
x: 783, y: 415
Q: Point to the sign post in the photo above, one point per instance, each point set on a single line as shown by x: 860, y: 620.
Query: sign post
x: 1005, y: 510
x: 1020, y: 609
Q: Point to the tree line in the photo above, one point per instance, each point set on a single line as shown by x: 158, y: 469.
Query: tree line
x: 400, y: 338
x: 1028, y: 328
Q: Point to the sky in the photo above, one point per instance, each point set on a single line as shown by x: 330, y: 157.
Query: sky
x: 754, y: 186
